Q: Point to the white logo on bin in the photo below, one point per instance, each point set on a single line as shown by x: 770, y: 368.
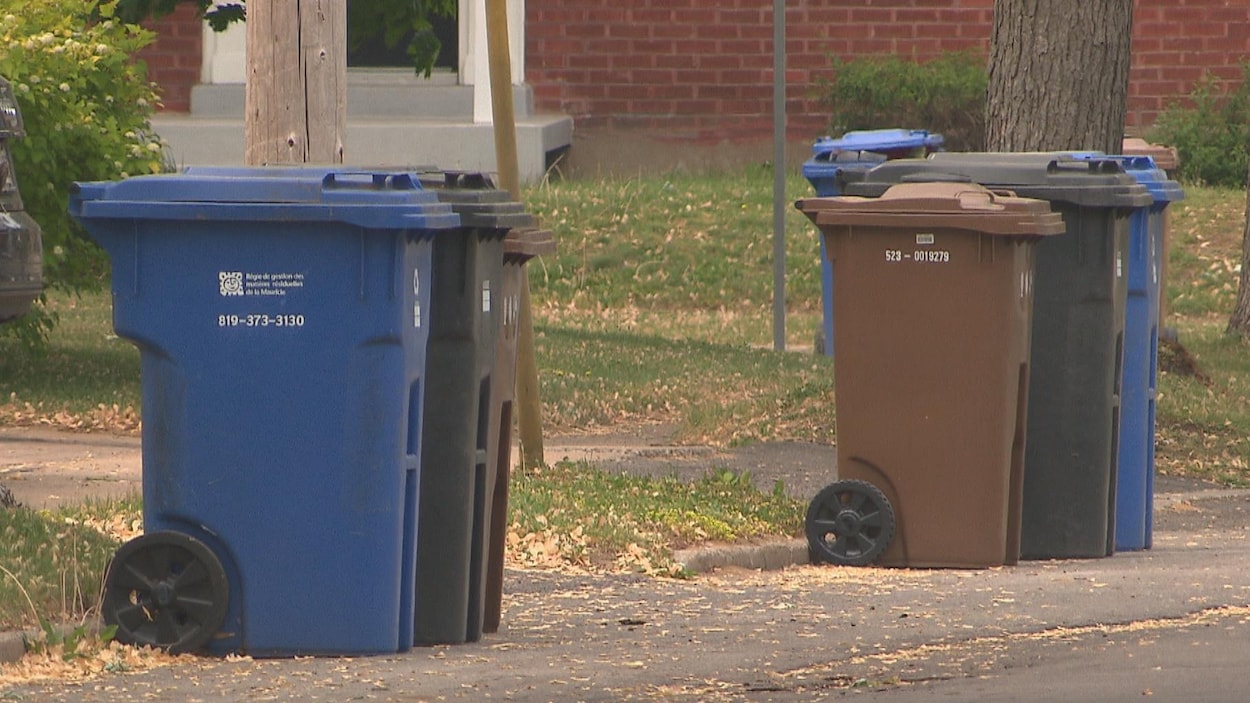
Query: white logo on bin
x: 416, y: 292
x: 486, y: 295
x: 230, y: 282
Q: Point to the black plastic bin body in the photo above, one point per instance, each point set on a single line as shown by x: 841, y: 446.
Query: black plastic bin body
x: 454, y: 514
x: 1077, y: 339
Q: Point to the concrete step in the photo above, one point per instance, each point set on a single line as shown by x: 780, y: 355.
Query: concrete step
x: 376, y: 93
x: 388, y: 142
x: 394, y: 119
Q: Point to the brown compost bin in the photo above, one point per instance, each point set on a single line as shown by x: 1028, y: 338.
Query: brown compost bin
x: 519, y: 247
x: 934, y: 300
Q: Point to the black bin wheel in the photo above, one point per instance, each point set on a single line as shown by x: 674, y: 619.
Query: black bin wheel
x: 165, y: 590
x: 849, y: 523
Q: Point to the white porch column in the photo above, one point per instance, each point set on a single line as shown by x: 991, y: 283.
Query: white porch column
x: 224, y: 58
x: 474, y: 67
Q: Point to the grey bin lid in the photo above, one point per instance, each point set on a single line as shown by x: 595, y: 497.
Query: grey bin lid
x: 1052, y: 176
x: 476, y: 199
x: 938, y: 205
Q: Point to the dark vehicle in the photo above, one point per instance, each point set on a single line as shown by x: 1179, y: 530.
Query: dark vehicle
x: 21, y: 248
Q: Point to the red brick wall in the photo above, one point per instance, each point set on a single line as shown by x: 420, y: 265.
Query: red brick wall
x: 702, y: 69
x: 1175, y: 42
x: 173, y: 60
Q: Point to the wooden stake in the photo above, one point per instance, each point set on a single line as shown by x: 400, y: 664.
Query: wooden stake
x: 529, y: 406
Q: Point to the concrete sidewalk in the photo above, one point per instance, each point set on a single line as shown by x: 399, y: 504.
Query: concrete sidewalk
x: 47, y: 468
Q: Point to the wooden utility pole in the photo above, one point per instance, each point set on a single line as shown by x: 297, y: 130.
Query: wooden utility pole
x: 296, y: 112
x: 296, y: 91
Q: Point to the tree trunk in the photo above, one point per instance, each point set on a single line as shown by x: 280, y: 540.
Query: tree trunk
x: 1239, y: 321
x: 1058, y: 75
x: 296, y: 82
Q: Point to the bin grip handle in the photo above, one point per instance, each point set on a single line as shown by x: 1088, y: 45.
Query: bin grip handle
x: 983, y: 198
x: 464, y: 180
x: 1088, y: 165
x: 935, y: 178
x: 369, y: 180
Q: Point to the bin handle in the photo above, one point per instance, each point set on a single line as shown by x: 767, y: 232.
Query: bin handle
x: 357, y: 180
x: 983, y: 199
x: 467, y: 180
x: 935, y: 178
x: 1092, y: 165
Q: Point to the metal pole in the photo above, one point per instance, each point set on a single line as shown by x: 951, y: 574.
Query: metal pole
x: 779, y: 175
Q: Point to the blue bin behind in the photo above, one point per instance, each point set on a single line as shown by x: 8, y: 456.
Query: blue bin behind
x: 281, y: 321
x: 854, y: 151
x: 1135, y: 474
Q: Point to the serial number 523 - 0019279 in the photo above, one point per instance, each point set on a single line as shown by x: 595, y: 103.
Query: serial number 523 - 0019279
x: 920, y: 256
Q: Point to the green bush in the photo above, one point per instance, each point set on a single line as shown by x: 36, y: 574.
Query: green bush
x: 1210, y: 137
x: 945, y: 95
x: 86, y: 105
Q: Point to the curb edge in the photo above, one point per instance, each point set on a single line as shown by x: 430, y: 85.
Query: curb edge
x: 769, y: 556
x: 12, y: 647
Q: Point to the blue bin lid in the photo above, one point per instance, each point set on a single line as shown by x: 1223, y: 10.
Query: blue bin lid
x: 828, y: 164
x: 877, y: 140
x: 372, y: 199
x: 1147, y: 173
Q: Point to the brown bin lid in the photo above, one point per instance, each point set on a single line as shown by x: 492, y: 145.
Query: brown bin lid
x: 966, y: 206
x: 528, y: 242
x: 1165, y: 156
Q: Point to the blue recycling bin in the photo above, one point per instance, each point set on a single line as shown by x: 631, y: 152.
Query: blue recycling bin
x: 854, y: 151
x: 281, y: 318
x: 1134, y: 490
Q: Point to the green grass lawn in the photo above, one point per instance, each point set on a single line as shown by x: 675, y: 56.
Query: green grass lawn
x: 1204, y: 419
